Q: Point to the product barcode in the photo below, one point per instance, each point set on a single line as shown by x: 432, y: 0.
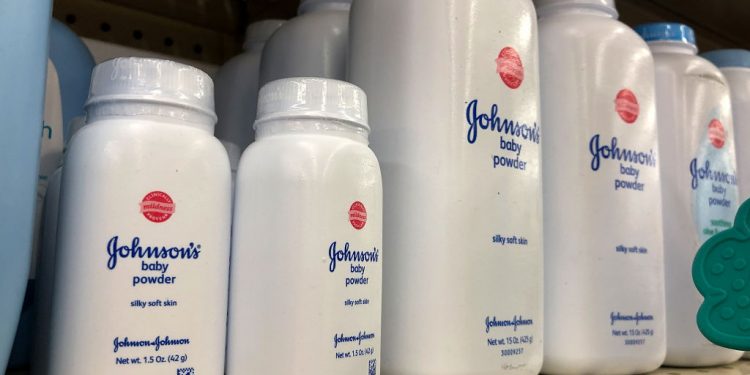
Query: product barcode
x: 186, y: 371
x: 373, y: 367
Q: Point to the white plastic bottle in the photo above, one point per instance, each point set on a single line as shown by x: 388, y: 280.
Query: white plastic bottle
x: 454, y: 103
x: 735, y: 66
x: 697, y: 144
x: 237, y: 89
x: 313, y: 44
x: 142, y: 267
x: 604, y: 270
x: 307, y: 246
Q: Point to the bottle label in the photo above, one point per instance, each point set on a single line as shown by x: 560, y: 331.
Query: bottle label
x: 144, y: 280
x: 357, y: 281
x: 713, y: 177
x: 627, y: 159
x: 502, y: 139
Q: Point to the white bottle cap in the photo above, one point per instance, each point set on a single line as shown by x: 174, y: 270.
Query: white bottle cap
x: 261, y: 31
x: 604, y: 5
x: 152, y: 80
x: 308, y: 5
x: 323, y: 98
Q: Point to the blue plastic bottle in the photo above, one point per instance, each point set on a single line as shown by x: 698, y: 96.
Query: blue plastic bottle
x: 23, y: 47
x: 72, y: 64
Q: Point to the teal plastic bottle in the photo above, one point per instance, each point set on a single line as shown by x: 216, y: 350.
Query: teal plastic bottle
x: 24, y: 27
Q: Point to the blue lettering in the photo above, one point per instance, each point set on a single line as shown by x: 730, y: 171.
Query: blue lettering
x: 705, y: 173
x: 614, y: 152
x: 135, y: 250
x: 346, y: 255
x: 517, y: 321
x: 494, y: 123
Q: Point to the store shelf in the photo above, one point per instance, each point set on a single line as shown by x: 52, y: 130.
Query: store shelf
x: 212, y: 30
x: 738, y: 368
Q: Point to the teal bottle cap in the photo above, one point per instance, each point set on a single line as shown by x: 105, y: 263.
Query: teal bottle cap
x: 721, y: 272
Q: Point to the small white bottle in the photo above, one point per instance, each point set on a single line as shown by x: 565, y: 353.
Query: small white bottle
x: 453, y: 88
x: 697, y: 140
x: 142, y: 264
x: 307, y: 247
x: 604, y: 270
x: 313, y: 44
x: 237, y: 89
x: 735, y: 66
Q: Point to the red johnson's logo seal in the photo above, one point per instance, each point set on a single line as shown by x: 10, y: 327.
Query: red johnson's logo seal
x: 716, y: 133
x: 509, y: 67
x: 157, y: 206
x: 626, y: 105
x: 358, y: 215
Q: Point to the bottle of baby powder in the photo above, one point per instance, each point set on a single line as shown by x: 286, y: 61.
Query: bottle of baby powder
x: 699, y: 183
x: 307, y: 247
x: 143, y: 239
x: 453, y: 88
x: 604, y: 270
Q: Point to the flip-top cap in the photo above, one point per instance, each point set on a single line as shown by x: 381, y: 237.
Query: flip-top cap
x: 312, y: 98
x: 549, y: 5
x: 729, y: 58
x: 308, y: 5
x: 152, y: 80
x: 261, y: 31
x: 666, y: 32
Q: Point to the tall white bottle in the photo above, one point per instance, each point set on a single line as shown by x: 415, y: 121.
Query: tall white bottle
x: 735, y: 66
x: 697, y: 145
x: 307, y: 247
x: 142, y: 264
x: 237, y: 89
x: 604, y: 270
x: 454, y: 104
x: 313, y: 44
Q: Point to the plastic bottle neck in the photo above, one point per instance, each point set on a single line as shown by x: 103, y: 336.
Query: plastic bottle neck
x: 151, y: 111
x: 673, y: 47
x: 341, y: 6
x: 590, y: 9
x: 299, y: 126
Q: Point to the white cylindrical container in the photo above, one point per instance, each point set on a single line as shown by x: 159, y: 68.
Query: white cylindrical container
x: 307, y: 245
x: 604, y: 270
x: 142, y: 267
x: 237, y: 89
x: 454, y: 103
x: 313, y: 44
x: 699, y: 186
x: 45, y: 269
x: 735, y: 65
